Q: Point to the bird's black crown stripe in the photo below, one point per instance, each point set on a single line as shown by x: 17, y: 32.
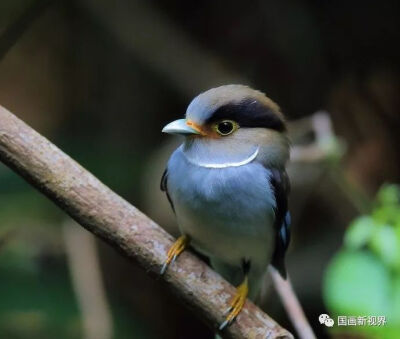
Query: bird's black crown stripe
x: 249, y: 113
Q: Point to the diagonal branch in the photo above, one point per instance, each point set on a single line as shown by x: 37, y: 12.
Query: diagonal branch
x: 114, y: 220
x: 16, y: 29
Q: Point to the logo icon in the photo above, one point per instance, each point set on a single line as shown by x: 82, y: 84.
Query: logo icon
x: 326, y: 320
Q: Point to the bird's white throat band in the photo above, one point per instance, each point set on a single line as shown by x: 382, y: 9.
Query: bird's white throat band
x: 226, y: 164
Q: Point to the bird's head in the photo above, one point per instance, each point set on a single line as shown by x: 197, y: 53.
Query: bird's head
x: 229, y: 123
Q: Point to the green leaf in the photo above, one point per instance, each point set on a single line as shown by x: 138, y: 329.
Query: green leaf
x: 356, y: 283
x: 360, y: 232
x: 384, y: 243
x: 387, y: 214
x: 389, y: 194
x: 395, y: 314
x: 397, y: 231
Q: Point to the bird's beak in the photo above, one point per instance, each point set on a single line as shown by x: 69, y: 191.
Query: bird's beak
x: 179, y: 127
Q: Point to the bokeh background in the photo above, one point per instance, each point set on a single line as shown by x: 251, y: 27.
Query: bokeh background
x: 101, y: 78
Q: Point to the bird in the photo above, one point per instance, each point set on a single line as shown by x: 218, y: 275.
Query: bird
x: 228, y: 187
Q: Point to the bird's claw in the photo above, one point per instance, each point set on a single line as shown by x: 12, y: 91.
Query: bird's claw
x: 236, y: 304
x: 177, y: 248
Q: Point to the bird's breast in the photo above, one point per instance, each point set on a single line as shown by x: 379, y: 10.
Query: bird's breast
x: 228, y: 212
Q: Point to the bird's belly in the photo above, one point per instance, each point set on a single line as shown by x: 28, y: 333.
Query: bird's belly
x: 229, y: 241
x: 228, y: 213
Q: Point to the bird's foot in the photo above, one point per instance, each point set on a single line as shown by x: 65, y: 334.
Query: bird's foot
x: 177, y: 248
x: 236, y: 304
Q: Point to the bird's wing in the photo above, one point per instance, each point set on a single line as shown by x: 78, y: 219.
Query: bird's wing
x: 164, y: 187
x: 280, y: 183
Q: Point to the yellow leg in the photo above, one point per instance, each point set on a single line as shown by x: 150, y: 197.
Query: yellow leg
x: 177, y: 248
x: 236, y: 303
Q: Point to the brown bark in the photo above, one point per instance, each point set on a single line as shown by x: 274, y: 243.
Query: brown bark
x: 110, y: 217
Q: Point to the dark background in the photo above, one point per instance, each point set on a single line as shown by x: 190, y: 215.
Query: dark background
x: 101, y: 78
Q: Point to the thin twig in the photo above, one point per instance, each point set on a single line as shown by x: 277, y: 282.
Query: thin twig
x: 292, y: 305
x: 104, y: 213
x: 14, y: 30
x: 84, y: 265
x: 173, y: 58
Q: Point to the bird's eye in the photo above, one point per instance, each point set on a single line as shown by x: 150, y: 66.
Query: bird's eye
x: 226, y: 127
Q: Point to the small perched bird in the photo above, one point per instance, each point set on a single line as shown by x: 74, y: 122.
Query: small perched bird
x: 228, y: 187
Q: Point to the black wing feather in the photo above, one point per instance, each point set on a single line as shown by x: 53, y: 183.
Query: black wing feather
x: 164, y: 187
x: 280, y: 183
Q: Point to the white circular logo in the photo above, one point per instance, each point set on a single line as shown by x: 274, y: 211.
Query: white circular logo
x: 326, y: 320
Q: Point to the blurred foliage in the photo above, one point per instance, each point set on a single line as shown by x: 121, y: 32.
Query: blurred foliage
x: 363, y: 279
x: 37, y: 299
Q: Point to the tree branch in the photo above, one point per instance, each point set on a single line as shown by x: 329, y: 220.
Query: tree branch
x: 84, y: 266
x: 146, y: 32
x: 292, y: 305
x: 15, y: 30
x: 114, y: 220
